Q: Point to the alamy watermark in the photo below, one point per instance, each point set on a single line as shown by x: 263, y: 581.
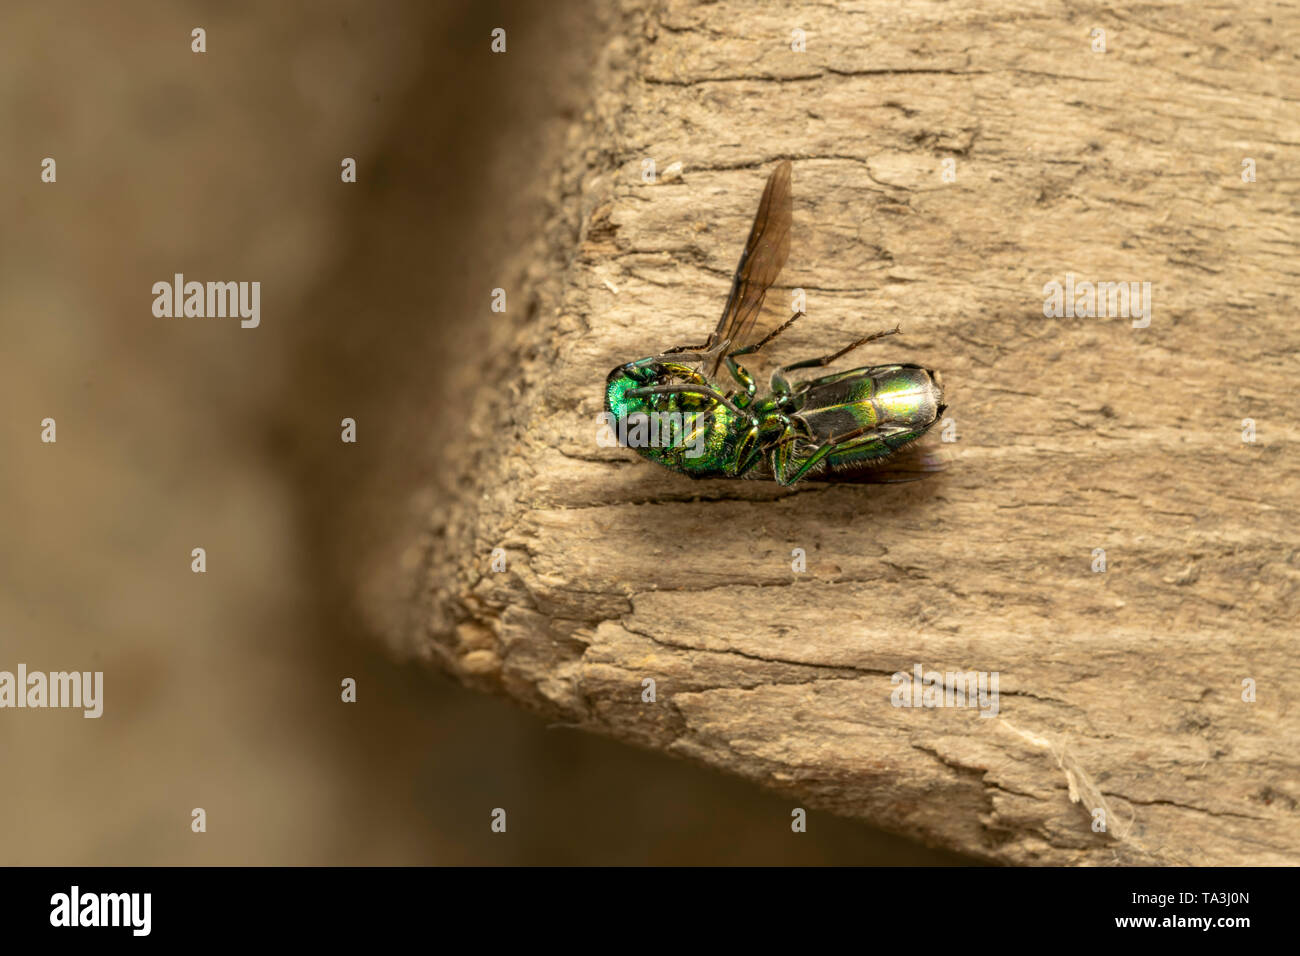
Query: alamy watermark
x: 924, y: 688
x: 1090, y: 300
x: 212, y: 300
x: 652, y: 430
x: 77, y: 689
x: 75, y: 908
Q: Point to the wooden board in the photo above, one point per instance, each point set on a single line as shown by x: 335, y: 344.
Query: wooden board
x: 1121, y: 690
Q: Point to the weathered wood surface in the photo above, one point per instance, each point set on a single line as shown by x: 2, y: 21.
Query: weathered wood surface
x: 1122, y: 688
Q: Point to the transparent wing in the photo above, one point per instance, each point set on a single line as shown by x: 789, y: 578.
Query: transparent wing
x: 765, y: 253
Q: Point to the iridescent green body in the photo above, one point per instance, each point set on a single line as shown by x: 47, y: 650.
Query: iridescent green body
x: 845, y: 426
x: 706, y: 423
x: 837, y: 427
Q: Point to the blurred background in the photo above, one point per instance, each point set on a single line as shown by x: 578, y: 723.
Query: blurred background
x: 222, y: 688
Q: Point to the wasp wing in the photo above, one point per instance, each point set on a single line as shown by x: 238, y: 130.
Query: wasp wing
x: 765, y: 253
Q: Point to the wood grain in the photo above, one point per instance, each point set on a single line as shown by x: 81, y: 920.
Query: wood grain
x: 1123, y: 689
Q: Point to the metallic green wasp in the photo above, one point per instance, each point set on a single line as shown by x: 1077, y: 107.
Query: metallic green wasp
x: 857, y: 426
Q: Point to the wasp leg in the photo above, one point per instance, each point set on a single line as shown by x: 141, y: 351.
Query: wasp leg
x: 684, y: 390
x: 819, y: 452
x: 794, y: 428
x: 739, y: 372
x: 698, y: 349
x: 675, y: 360
x: 779, y: 460
x: 684, y: 353
x: 757, y: 346
x: 674, y: 366
x: 742, y: 376
x: 782, y: 387
x: 780, y: 450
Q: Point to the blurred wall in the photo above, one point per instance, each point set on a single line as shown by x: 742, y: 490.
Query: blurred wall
x: 222, y: 688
